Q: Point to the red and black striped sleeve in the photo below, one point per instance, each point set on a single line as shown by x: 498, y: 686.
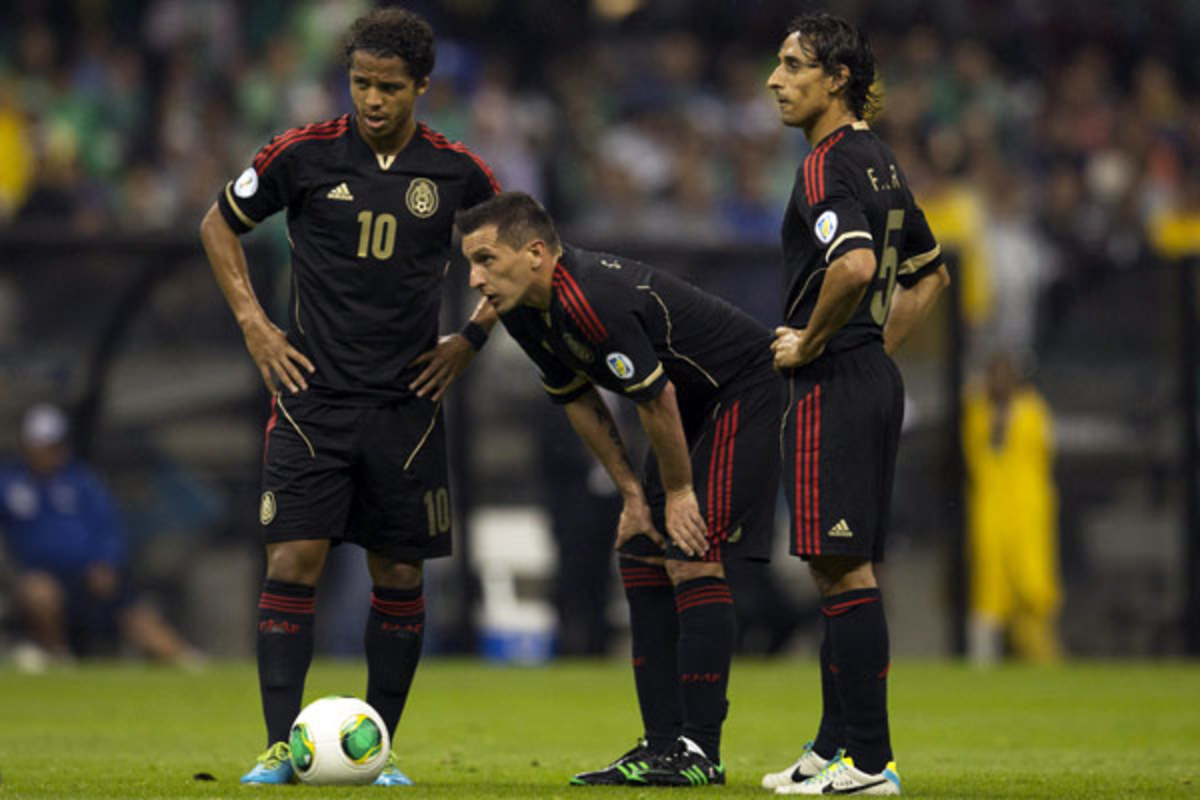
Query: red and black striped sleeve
x: 830, y: 205
x: 275, y: 176
x: 604, y: 310
x: 481, y: 181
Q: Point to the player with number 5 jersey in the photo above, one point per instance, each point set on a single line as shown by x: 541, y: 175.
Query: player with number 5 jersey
x: 861, y: 268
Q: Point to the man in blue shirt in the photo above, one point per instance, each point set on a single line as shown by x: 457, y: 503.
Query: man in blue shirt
x: 62, y: 531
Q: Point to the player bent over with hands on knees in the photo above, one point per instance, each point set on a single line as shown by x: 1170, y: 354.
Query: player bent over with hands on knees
x: 851, y: 233
x: 708, y: 398
x: 355, y: 446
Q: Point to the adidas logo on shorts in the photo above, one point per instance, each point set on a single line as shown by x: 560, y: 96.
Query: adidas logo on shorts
x: 841, y: 529
x: 340, y: 192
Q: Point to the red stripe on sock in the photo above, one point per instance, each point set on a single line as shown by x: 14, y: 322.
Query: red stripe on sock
x: 399, y: 608
x: 841, y: 608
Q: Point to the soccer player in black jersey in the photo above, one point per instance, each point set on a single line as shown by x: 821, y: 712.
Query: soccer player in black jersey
x: 355, y: 446
x: 700, y: 373
x: 861, y: 268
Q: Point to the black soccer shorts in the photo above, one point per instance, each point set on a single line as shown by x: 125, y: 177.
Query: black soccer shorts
x: 372, y: 475
x: 735, y: 472
x: 840, y: 433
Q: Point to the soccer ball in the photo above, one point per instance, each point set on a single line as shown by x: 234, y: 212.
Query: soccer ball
x: 338, y: 740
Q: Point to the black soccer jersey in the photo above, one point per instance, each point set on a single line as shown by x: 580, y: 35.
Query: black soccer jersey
x: 627, y: 327
x: 370, y: 239
x: 850, y: 193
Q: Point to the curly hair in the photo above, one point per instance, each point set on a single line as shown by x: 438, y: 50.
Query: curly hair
x: 834, y: 42
x: 394, y: 32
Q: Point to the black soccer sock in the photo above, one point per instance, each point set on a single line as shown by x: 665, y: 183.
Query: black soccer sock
x: 655, y: 629
x: 858, y: 629
x: 706, y: 636
x: 285, y: 649
x: 832, y: 733
x: 395, y: 630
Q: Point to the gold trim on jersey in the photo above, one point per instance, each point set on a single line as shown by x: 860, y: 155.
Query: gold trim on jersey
x: 287, y: 415
x: 296, y: 312
x: 433, y: 422
x: 860, y: 125
x: 844, y: 237
x: 385, y: 161
x: 579, y: 380
x: 241, y: 215
x: 651, y: 378
x: 670, y: 346
x: 800, y: 295
x: 911, y: 265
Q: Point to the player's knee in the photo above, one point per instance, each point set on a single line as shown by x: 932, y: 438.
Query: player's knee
x: 395, y: 574
x: 296, y: 562
x: 836, y: 574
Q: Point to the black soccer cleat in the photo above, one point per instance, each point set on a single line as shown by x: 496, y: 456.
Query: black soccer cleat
x: 685, y: 765
x: 626, y: 770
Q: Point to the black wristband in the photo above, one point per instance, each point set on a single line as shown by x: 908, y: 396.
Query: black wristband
x: 475, y: 334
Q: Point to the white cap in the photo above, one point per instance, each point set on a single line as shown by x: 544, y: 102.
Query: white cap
x: 44, y: 425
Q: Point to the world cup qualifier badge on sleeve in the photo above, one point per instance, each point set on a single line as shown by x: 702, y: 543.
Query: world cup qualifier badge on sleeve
x: 620, y: 365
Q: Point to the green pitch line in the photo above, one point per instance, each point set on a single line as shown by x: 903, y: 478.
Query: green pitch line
x: 1107, y: 730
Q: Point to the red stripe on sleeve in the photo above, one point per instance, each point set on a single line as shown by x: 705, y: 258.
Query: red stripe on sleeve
x: 571, y: 291
x: 284, y: 139
x: 438, y: 140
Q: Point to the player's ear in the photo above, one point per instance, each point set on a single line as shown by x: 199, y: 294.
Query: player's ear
x: 838, y: 78
x: 422, y: 86
x: 536, y: 250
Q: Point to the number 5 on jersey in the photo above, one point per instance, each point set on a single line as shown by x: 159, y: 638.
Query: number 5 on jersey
x: 881, y: 301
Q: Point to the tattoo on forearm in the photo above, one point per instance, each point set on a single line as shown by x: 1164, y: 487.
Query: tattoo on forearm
x: 609, y: 426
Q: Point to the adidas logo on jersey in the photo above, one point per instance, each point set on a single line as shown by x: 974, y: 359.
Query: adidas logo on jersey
x: 340, y: 192
x: 841, y: 529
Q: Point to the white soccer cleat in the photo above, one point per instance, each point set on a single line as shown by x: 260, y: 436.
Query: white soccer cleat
x: 807, y: 765
x: 840, y: 776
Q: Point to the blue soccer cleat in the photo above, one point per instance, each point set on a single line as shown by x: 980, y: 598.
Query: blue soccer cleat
x: 391, y: 775
x: 274, y: 766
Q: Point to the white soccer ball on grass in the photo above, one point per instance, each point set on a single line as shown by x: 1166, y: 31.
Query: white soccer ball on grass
x: 338, y: 740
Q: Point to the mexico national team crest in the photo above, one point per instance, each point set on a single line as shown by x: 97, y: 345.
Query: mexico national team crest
x: 826, y: 227
x: 620, y: 365
x: 266, y: 509
x: 578, y: 349
x: 422, y: 197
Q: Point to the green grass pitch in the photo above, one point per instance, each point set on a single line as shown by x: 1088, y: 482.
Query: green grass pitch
x: 1086, y: 730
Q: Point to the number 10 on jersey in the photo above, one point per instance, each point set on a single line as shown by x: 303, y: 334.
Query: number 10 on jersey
x: 376, y: 235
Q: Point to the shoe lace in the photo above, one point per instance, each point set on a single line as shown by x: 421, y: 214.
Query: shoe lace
x: 832, y: 767
x: 275, y: 755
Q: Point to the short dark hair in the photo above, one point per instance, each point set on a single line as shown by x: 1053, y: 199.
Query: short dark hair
x: 394, y: 33
x: 517, y: 216
x: 834, y: 42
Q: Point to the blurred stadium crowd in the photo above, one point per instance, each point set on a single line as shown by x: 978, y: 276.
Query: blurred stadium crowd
x: 1044, y: 139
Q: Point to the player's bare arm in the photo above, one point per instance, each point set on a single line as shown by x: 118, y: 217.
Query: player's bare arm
x: 275, y: 358
x: 594, y: 424
x: 662, y: 423
x: 846, y: 281
x: 910, y: 306
x: 451, y: 356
